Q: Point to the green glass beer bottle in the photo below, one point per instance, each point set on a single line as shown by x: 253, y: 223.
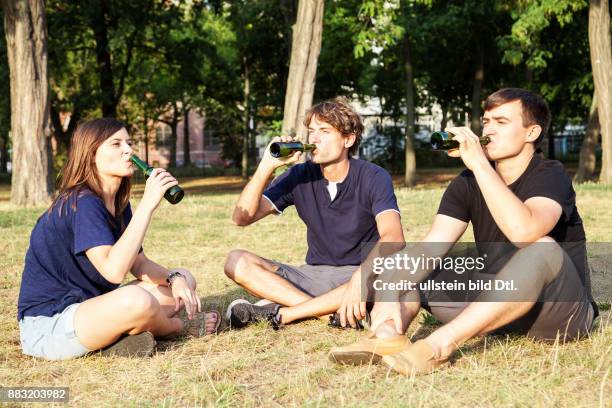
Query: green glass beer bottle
x: 282, y: 149
x: 444, y: 141
x: 174, y: 194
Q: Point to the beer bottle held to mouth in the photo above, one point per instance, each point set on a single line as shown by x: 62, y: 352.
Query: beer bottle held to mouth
x: 444, y: 141
x: 174, y: 194
x: 285, y: 149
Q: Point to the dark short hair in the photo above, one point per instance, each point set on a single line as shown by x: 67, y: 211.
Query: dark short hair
x: 338, y: 113
x: 535, y: 109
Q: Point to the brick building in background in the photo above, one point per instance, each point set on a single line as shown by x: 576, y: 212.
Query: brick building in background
x: 204, y: 144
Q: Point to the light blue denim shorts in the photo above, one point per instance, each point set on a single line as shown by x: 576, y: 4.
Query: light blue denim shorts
x: 51, y: 338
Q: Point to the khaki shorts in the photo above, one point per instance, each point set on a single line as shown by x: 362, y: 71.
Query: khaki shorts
x: 315, y: 280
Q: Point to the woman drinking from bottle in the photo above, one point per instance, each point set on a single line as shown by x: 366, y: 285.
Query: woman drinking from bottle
x: 82, y: 248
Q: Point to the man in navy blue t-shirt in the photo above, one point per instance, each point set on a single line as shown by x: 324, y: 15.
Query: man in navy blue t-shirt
x: 344, y: 202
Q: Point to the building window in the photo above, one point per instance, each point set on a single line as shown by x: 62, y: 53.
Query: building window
x: 163, y: 133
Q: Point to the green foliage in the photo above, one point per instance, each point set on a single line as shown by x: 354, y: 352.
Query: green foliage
x: 379, y: 28
x: 531, y: 18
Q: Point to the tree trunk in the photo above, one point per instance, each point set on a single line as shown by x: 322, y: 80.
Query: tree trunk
x: 306, y: 45
x: 105, y: 71
x: 601, y: 62
x: 4, y: 154
x: 477, y: 92
x: 173, y: 123
x: 145, y: 129
x: 26, y: 38
x: 186, y: 147
x: 63, y: 137
x: 410, y: 156
x: 444, y: 117
x: 588, y: 159
x: 551, y: 143
x: 245, y: 122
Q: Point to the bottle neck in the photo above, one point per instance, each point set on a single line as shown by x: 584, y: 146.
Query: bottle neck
x: 142, y: 165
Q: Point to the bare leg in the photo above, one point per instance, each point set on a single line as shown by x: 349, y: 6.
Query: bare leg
x: 409, y: 308
x: 531, y: 269
x: 318, y: 306
x: 258, y: 277
x: 100, y: 321
x: 163, y: 294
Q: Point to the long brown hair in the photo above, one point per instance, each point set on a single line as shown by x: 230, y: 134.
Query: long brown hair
x: 80, y: 172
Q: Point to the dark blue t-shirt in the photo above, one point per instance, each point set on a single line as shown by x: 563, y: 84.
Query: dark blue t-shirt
x: 57, y: 272
x: 336, y: 229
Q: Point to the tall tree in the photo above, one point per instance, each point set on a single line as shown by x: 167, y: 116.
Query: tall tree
x: 306, y: 46
x: 588, y: 160
x: 549, y: 39
x: 26, y: 39
x: 601, y: 61
x: 5, y: 104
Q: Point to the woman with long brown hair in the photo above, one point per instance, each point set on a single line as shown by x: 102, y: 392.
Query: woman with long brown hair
x: 83, y: 246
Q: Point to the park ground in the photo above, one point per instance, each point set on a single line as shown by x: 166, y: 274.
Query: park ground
x: 259, y: 366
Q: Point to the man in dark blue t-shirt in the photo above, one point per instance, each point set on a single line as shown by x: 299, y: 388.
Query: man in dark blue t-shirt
x: 344, y: 202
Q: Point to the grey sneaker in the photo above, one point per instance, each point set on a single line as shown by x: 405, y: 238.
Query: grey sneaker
x: 138, y: 345
x: 241, y: 313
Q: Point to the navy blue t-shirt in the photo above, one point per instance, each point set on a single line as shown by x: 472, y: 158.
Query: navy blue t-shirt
x: 336, y: 229
x: 57, y: 272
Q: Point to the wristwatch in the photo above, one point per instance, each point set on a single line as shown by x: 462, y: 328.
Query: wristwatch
x: 172, y: 276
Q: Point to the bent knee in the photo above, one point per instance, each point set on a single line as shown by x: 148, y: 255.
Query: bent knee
x: 547, y: 254
x: 237, y: 264
x: 138, y: 302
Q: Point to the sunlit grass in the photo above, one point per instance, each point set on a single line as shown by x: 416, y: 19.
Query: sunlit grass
x: 260, y: 366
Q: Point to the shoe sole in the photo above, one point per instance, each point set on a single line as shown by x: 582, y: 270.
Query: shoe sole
x: 139, y: 345
x: 228, y: 311
x: 355, y: 357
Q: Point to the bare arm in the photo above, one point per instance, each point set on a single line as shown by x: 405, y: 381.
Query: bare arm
x: 521, y: 222
x: 444, y: 232
x: 114, y: 262
x: 146, y: 270
x: 529, y: 220
x: 251, y: 205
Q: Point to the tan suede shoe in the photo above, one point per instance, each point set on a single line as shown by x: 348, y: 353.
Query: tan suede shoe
x: 416, y: 359
x: 368, y: 350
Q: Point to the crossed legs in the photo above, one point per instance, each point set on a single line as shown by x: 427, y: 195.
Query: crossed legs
x: 130, y: 309
x: 531, y: 269
x: 258, y: 277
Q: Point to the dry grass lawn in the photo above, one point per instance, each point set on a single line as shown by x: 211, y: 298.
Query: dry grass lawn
x: 260, y: 366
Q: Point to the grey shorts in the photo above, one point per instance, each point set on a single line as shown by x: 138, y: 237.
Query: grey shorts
x: 315, y: 280
x: 51, y: 338
x: 566, y: 310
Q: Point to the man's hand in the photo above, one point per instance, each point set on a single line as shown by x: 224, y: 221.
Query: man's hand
x: 273, y: 163
x: 352, y: 308
x: 470, y: 150
x: 385, y: 311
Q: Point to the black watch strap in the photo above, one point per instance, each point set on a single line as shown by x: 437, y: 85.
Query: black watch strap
x: 172, y: 276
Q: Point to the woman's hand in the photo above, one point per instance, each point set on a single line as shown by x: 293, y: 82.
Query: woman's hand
x: 184, y: 289
x: 157, y: 184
